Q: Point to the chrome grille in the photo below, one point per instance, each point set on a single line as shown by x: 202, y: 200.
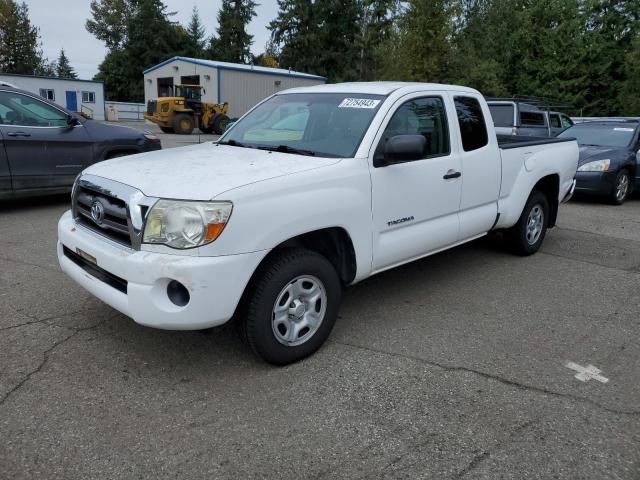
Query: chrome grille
x: 111, y: 209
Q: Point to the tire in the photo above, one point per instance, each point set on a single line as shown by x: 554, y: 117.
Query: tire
x: 206, y: 130
x: 166, y: 129
x: 288, y: 283
x: 219, y: 124
x: 621, y: 188
x: 526, y: 236
x: 183, y: 124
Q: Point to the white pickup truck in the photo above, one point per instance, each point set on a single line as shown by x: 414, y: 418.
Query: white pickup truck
x: 314, y: 189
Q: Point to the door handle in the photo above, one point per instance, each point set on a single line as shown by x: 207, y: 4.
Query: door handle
x: 452, y: 174
x: 18, y: 134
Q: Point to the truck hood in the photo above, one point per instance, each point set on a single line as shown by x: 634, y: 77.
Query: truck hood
x: 202, y: 172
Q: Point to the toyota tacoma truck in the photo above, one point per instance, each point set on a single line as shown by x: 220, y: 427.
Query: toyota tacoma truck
x: 312, y: 190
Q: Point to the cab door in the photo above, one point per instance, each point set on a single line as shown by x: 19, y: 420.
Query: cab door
x: 42, y: 149
x: 415, y: 204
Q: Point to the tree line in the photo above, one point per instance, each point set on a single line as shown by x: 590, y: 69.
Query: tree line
x: 584, y: 53
x: 20, y: 45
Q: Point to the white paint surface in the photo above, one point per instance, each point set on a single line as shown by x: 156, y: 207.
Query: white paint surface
x: 586, y: 373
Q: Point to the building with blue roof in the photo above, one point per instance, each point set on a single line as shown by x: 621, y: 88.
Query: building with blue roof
x: 241, y: 85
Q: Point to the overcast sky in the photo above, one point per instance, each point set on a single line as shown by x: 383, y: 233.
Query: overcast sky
x: 61, y: 24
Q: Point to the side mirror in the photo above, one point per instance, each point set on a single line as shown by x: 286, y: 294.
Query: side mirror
x: 72, y: 121
x: 401, y: 148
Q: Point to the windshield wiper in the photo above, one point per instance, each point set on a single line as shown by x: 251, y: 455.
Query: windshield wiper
x: 287, y: 149
x: 233, y: 143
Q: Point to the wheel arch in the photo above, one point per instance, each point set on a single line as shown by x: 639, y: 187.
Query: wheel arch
x: 549, y: 186
x: 333, y: 243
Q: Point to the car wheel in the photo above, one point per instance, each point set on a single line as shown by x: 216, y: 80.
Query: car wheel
x: 621, y: 187
x: 526, y: 236
x: 292, y: 306
x: 183, y: 124
x: 166, y: 129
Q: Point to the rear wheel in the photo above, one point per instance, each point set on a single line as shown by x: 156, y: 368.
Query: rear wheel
x: 526, y: 236
x: 621, y: 188
x: 183, y: 124
x: 292, y: 307
x: 166, y: 129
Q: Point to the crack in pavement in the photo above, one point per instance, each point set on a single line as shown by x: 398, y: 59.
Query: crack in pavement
x: 633, y: 269
x: 599, y: 234
x: 45, y: 357
x: 481, y: 457
x: 34, y: 320
x: 491, y: 376
x: 22, y: 262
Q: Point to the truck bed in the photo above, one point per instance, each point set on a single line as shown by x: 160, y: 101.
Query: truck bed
x: 517, y: 141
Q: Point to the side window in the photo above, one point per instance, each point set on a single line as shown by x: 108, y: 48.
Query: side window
x: 422, y: 116
x: 88, y: 97
x: 472, y: 124
x: 48, y: 93
x: 555, y: 121
x: 532, y: 118
x: 26, y: 111
x: 566, y: 122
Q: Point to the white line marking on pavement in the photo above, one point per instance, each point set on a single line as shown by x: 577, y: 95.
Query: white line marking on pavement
x: 586, y: 373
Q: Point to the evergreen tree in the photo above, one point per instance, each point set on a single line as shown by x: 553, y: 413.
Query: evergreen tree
x: 63, y: 68
x: 19, y: 40
x: 630, y: 93
x: 150, y: 39
x: 195, y: 35
x: 420, y: 50
x: 295, y: 32
x: 376, y: 27
x: 109, y: 21
x: 233, y: 43
x: 318, y: 37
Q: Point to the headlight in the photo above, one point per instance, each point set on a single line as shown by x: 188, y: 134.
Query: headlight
x: 181, y: 224
x: 595, y: 166
x: 151, y: 137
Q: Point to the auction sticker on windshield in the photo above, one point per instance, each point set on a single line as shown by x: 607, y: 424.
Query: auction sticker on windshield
x: 359, y: 103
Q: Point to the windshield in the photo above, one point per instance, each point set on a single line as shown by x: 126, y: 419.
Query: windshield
x: 322, y: 124
x: 615, y: 135
x: 188, y: 92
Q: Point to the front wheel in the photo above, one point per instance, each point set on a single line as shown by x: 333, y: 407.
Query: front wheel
x: 621, y: 188
x: 183, y: 124
x: 526, y: 236
x: 292, y: 306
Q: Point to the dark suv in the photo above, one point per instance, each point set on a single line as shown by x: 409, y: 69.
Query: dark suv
x: 43, y: 147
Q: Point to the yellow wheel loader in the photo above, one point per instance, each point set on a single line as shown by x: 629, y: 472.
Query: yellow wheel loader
x: 185, y: 111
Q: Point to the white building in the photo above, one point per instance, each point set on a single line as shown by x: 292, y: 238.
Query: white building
x: 241, y: 85
x: 76, y: 95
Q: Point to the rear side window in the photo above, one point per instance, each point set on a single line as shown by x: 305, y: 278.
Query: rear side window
x: 472, y: 124
x: 555, y: 121
x: 532, y: 118
x: 502, y: 115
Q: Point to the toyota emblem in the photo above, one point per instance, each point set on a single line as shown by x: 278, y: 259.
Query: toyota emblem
x: 97, y: 212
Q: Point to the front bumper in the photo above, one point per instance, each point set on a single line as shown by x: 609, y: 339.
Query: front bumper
x: 595, y: 183
x: 215, y: 284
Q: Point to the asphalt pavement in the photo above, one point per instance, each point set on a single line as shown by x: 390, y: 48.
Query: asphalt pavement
x: 450, y: 367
